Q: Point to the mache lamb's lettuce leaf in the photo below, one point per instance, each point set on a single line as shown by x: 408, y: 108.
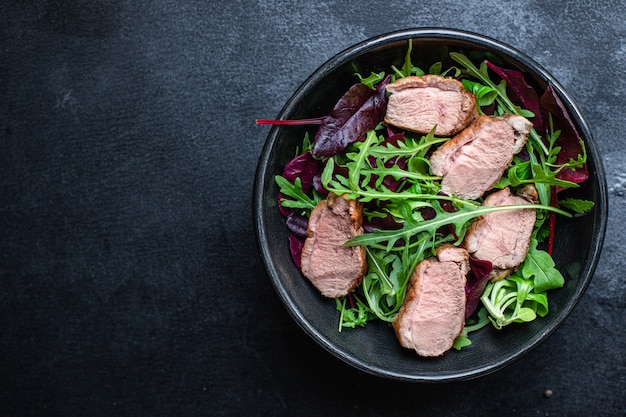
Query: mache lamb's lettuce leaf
x: 539, y: 266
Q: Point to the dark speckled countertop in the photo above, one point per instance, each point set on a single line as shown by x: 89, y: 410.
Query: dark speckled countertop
x: 130, y: 282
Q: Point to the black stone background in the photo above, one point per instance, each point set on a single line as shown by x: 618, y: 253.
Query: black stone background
x: 130, y: 282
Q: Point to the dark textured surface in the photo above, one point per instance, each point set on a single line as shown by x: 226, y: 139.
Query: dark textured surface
x: 130, y: 282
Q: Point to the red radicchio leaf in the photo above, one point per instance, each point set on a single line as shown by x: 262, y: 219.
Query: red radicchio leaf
x: 295, y: 247
x: 390, y: 182
x: 447, y: 205
x: 303, y: 166
x: 427, y: 213
x: 394, y: 138
x: 285, y: 211
x: 384, y: 223
x: 476, y: 282
x: 569, y: 139
x: 298, y: 225
x: 525, y: 94
x: 359, y: 110
x: 318, y: 186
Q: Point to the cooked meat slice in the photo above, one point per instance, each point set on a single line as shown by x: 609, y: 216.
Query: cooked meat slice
x: 332, y: 268
x: 503, y: 237
x: 418, y: 103
x: 475, y: 159
x: 450, y: 253
x: 433, y: 312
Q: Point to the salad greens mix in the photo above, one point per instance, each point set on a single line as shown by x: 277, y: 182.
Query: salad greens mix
x: 406, y: 216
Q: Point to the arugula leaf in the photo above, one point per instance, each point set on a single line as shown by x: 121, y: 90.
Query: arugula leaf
x: 384, y: 286
x: 354, y: 316
x: 371, y: 80
x: 435, y: 68
x: 548, y: 177
x: 300, y: 198
x: 570, y: 142
x: 409, y: 148
x: 408, y: 68
x: 457, y: 219
x: 366, y: 160
x: 381, y: 286
x: 577, y: 205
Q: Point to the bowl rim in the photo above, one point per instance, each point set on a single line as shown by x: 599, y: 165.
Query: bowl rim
x: 435, y: 33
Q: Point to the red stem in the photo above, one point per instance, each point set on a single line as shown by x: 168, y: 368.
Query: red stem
x: 350, y: 300
x: 301, y: 122
x: 553, y: 203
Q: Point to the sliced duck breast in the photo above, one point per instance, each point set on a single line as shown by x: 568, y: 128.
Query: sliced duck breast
x: 475, y: 159
x: 433, y: 312
x: 331, y: 267
x: 419, y: 103
x: 503, y: 237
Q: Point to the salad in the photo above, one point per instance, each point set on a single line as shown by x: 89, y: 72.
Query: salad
x: 406, y: 216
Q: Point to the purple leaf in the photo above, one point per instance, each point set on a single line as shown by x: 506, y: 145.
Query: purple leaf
x: 303, y: 166
x: 318, y: 186
x: 382, y: 223
x: 359, y: 110
x: 298, y: 225
x: 447, y: 205
x: 285, y: 211
x: 295, y: 247
x: 427, y: 213
x: 393, y: 138
x: 477, y: 279
x: 525, y: 94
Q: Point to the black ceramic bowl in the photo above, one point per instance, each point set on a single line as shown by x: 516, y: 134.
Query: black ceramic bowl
x: 374, y: 348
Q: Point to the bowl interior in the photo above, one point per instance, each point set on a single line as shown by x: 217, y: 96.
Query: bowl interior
x: 374, y: 348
